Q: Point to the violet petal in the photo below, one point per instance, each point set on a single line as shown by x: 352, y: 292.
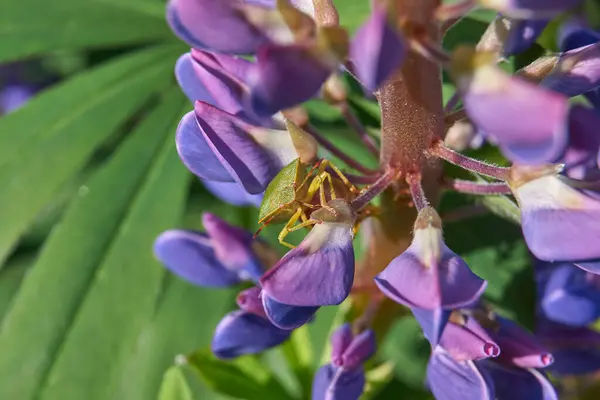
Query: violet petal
x: 285, y: 316
x: 348, y: 386
x: 190, y: 255
x: 377, y: 50
x: 195, y: 152
x: 240, y: 333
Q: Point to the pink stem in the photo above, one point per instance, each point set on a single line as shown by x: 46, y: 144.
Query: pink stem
x: 352, y: 163
x: 463, y: 213
x: 372, y: 191
x: 416, y: 190
x: 470, y: 164
x: 358, y: 127
x: 485, y: 188
x: 452, y: 103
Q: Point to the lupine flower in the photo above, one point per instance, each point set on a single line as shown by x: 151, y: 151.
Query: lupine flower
x: 576, y: 350
x: 223, y: 256
x: 320, y: 270
x: 343, y: 378
x: 236, y: 141
x: 376, y: 35
x: 553, y: 211
x: 494, y: 100
x: 242, y: 332
x: 428, y: 275
x: 567, y: 294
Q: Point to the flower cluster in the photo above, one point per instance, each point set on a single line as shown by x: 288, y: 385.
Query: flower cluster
x: 251, y: 143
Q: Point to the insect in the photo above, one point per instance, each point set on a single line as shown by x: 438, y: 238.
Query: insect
x: 291, y: 195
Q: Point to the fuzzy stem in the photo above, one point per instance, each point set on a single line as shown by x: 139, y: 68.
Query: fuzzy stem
x: 484, y: 188
x: 417, y: 193
x: 466, y: 212
x: 411, y: 101
x: 372, y: 191
x: 351, y: 162
x: 470, y: 164
x: 362, y: 180
x: 360, y: 130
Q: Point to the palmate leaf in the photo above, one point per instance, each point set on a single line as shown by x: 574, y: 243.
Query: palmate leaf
x: 44, y: 143
x: 48, y: 302
x: 29, y: 27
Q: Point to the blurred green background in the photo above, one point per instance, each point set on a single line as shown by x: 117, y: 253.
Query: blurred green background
x: 89, y: 176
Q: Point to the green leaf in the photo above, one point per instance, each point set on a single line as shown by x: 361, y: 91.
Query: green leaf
x: 73, y: 267
x: 123, y: 296
x: 174, y: 386
x: 352, y: 13
x: 39, y: 165
x: 29, y: 27
x: 10, y: 279
x: 298, y: 351
x: 243, y: 378
x: 182, y: 322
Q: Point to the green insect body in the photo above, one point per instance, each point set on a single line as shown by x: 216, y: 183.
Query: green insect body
x: 283, y: 192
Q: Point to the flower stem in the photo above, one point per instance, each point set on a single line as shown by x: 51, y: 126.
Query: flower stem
x: 470, y: 164
x: 351, y: 162
x: 417, y: 193
x: 372, y: 191
x: 484, y: 188
x: 358, y: 127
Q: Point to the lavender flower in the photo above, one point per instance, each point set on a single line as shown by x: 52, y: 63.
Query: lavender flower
x: 344, y: 378
x: 251, y: 141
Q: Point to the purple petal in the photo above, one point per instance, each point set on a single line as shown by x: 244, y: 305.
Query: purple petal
x: 584, y: 141
x: 520, y: 384
x: 250, y: 300
x: 242, y: 155
x: 195, y: 152
x: 233, y: 193
x: 327, y: 385
x: 189, y: 82
x: 13, y: 97
x: 360, y: 350
x: 233, y: 247
x: 285, y: 316
x: 528, y: 122
x: 522, y: 34
x: 377, y: 50
x: 574, y: 33
x: 571, y: 296
x: 428, y: 274
x: 241, y: 333
x: 319, y: 272
x: 452, y: 380
x: 589, y: 266
x: 559, y: 223
x: 577, y: 71
x: 575, y: 361
x: 202, y: 23
x: 340, y: 340
x: 285, y: 76
x: 223, y: 85
x: 519, y: 347
x: 190, y: 255
x: 432, y: 322
x: 468, y: 342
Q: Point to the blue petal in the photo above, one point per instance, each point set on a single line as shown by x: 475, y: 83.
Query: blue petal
x: 520, y: 384
x: 432, y: 322
x: 233, y: 193
x: 189, y: 82
x: 348, y: 386
x: 451, y: 380
x: 189, y: 255
x: 195, y: 152
x: 242, y: 333
x: 285, y: 316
